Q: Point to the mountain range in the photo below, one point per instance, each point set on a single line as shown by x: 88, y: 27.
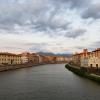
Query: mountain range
x: 53, y: 54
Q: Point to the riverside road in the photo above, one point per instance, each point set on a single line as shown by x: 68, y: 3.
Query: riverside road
x: 46, y: 82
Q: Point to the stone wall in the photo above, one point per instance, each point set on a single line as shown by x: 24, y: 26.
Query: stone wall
x: 12, y: 67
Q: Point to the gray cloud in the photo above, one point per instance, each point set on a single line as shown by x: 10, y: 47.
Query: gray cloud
x: 71, y: 3
x: 93, y: 11
x: 74, y: 33
x: 40, y: 15
x: 16, y: 12
x: 39, y: 18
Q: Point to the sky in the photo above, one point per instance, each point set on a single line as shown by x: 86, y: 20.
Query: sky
x: 57, y: 26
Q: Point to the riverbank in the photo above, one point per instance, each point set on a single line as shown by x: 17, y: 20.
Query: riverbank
x: 83, y: 73
x: 19, y: 66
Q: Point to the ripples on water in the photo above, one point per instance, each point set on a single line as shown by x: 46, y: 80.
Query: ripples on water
x: 46, y: 82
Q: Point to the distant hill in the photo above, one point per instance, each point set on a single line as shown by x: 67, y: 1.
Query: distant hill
x: 46, y: 53
x: 52, y: 54
x: 68, y: 55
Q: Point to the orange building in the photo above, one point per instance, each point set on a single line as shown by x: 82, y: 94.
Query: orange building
x: 81, y: 59
x: 84, y: 58
x: 30, y: 58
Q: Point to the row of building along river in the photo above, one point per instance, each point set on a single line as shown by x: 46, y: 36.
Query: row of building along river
x: 10, y: 61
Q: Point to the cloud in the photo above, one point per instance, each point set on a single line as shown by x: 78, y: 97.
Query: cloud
x: 37, y: 47
x: 16, y: 12
x: 93, y: 11
x: 71, y: 3
x: 48, y: 25
x: 38, y: 15
x: 46, y: 47
x: 74, y: 33
x: 96, y: 44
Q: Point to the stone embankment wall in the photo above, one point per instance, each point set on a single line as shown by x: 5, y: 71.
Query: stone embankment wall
x: 83, y: 73
x: 12, y: 67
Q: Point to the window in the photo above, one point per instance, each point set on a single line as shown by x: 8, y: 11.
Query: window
x: 97, y: 66
x: 90, y: 65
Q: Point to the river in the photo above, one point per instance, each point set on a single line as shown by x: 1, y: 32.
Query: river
x: 46, y: 82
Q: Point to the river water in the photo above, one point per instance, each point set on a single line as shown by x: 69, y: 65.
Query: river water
x: 46, y: 82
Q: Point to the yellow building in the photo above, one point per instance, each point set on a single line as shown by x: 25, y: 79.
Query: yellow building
x: 94, y: 59
x: 81, y: 59
x: 88, y: 59
x: 76, y: 58
x: 9, y: 58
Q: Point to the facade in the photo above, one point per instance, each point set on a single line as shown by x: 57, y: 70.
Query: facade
x: 9, y: 58
x: 44, y: 59
x: 76, y: 58
x: 81, y: 59
x: 56, y: 59
x: 33, y: 58
x: 87, y: 59
x: 62, y: 59
x: 84, y: 58
x: 94, y: 59
x: 24, y: 57
x: 30, y: 58
x: 40, y: 59
x: 51, y: 59
x: 69, y: 59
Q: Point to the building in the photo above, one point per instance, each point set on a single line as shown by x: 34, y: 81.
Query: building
x: 84, y: 58
x: 94, y: 59
x: 33, y: 58
x: 62, y: 59
x: 30, y: 58
x: 81, y: 59
x: 24, y: 57
x: 87, y: 59
x: 45, y: 60
x: 76, y: 59
x: 40, y: 59
x: 9, y: 58
x: 51, y: 59
x: 69, y: 59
